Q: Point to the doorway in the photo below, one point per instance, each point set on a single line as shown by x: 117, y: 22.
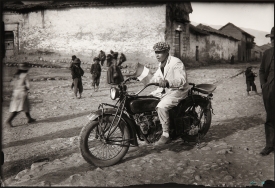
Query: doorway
x: 9, y: 43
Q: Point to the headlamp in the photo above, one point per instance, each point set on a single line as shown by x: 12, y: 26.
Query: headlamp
x: 114, y: 93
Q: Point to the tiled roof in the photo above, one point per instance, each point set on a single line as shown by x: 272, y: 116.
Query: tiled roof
x: 215, y: 31
x: 237, y: 28
x: 196, y: 30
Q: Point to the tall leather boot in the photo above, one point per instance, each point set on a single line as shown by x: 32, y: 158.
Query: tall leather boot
x: 9, y: 120
x: 269, y: 136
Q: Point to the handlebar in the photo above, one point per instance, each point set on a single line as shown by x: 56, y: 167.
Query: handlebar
x: 128, y: 79
x: 150, y: 84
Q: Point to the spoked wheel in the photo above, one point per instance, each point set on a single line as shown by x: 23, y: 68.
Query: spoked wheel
x: 104, y: 144
x: 200, y: 119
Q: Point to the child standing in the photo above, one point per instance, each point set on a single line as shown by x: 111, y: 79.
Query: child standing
x: 250, y: 78
x: 20, y: 101
x: 96, y: 73
x: 77, y: 73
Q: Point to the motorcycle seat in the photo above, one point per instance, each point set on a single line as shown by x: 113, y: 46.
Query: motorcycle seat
x: 205, y: 88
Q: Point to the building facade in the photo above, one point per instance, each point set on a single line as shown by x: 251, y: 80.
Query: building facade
x: 57, y: 30
x: 256, y: 53
x: 246, y: 42
x: 208, y: 44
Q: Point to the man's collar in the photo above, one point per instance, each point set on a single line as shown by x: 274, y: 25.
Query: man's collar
x: 165, y: 60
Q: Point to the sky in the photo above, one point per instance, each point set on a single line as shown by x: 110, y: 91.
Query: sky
x: 258, y: 16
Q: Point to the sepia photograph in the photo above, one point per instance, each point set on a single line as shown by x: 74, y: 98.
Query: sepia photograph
x: 137, y: 93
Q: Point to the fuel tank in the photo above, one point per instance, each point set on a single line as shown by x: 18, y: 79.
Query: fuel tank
x: 141, y: 105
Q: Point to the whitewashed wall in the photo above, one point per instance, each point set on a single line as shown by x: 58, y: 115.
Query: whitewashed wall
x: 84, y: 31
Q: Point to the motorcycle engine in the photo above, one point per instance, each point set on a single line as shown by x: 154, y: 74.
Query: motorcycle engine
x: 149, y: 125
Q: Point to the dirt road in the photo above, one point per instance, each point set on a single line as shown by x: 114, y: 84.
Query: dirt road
x: 46, y: 152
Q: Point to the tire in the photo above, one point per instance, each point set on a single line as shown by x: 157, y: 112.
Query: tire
x: 101, y: 160
x: 205, y: 120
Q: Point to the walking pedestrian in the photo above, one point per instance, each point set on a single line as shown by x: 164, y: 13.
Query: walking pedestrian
x: 96, y: 73
x: 114, y: 75
x: 102, y: 57
x: 250, y: 78
x: 77, y: 73
x: 19, y: 101
x: 266, y: 74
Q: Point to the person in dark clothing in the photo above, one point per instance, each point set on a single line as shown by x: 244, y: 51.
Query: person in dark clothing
x: 74, y: 60
x: 109, y: 60
x: 102, y: 57
x: 77, y: 73
x: 114, y: 75
x: 266, y: 75
x: 250, y: 78
x: 122, y: 59
x: 96, y: 73
x: 232, y: 59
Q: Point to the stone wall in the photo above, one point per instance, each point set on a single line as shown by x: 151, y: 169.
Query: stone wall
x: 61, y: 33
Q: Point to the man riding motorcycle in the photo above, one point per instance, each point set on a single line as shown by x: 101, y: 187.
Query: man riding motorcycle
x: 171, y: 75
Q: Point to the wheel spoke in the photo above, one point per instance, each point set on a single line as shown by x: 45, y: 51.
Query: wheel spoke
x: 106, y: 148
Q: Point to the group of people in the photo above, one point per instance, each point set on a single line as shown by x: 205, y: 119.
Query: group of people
x: 102, y: 57
x: 171, y: 72
x: 114, y: 74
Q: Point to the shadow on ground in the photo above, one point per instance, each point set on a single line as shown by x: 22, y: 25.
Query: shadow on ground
x: 217, y: 132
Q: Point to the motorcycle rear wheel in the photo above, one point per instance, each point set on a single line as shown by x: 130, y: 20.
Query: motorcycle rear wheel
x: 200, y: 105
x: 99, y: 151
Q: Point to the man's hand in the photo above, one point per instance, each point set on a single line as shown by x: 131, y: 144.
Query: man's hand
x: 163, y: 83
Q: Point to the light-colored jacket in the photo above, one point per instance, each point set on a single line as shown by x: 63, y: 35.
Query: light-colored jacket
x: 175, y: 74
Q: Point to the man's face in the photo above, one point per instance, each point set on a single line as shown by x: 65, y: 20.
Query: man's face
x: 161, y: 55
x: 96, y: 61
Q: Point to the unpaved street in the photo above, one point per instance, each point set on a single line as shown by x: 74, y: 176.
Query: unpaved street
x: 46, y: 152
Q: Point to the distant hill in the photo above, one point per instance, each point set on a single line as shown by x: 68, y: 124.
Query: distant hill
x: 259, y: 39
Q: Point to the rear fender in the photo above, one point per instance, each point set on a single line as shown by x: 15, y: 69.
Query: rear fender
x: 194, y: 99
x: 130, y: 123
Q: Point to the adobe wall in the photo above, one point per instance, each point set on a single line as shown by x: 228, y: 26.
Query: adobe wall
x: 59, y: 34
x: 212, y: 47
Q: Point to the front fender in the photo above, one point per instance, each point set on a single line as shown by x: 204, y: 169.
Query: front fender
x: 129, y: 122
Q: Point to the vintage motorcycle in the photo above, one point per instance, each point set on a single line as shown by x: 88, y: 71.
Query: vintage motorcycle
x: 105, y: 140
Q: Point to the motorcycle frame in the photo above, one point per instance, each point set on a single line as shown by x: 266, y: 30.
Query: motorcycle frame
x: 120, y: 112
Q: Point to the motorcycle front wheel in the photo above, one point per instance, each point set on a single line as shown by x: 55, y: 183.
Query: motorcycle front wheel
x: 104, y: 144
x: 201, y: 116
